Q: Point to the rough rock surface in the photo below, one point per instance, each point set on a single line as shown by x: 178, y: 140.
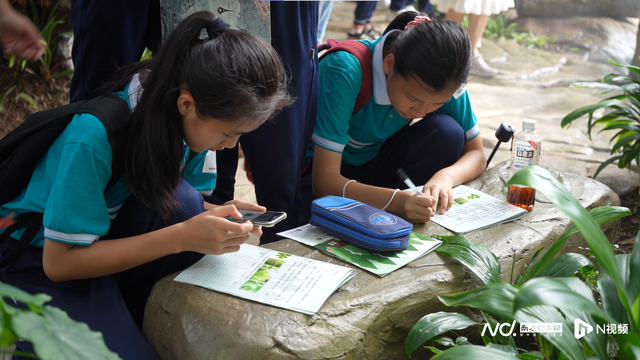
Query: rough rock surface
x: 565, y: 8
x: 367, y: 318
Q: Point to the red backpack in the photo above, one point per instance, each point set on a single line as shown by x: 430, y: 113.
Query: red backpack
x: 363, y: 54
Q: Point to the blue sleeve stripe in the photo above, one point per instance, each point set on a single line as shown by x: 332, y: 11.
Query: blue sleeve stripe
x: 473, y: 132
x: 328, y: 144
x: 358, y: 145
x: 75, y: 239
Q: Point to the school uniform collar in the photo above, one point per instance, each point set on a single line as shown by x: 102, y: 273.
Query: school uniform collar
x: 380, y: 94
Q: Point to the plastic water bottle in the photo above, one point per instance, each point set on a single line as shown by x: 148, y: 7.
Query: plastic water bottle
x: 525, y: 152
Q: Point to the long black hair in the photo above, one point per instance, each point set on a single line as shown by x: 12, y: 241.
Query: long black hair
x: 437, y: 52
x: 232, y: 76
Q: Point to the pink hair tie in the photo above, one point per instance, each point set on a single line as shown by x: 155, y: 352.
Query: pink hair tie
x: 418, y: 19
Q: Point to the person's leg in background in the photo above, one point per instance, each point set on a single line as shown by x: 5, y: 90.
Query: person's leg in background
x: 275, y: 151
x: 362, y: 27
x: 325, y: 13
x: 477, y: 24
x: 108, y: 35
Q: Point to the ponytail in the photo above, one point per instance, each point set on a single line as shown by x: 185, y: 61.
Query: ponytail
x: 438, y: 52
x: 232, y: 75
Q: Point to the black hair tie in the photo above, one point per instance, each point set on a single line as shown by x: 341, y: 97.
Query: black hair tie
x: 217, y: 27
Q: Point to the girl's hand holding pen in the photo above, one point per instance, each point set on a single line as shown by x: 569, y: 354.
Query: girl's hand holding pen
x: 417, y: 208
x: 210, y: 233
x: 440, y: 188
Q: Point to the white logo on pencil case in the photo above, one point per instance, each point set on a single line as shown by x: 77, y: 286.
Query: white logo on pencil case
x: 382, y: 219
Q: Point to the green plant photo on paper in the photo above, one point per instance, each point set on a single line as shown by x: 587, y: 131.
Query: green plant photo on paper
x: 550, y: 290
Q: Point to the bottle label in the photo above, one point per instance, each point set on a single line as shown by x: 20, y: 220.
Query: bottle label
x: 525, y: 153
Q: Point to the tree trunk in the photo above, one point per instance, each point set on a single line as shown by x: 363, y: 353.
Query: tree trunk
x: 565, y: 8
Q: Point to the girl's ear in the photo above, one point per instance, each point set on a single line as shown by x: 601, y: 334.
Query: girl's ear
x: 387, y: 63
x: 186, y: 103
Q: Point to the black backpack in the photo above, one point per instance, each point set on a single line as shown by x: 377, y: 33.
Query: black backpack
x: 22, y: 148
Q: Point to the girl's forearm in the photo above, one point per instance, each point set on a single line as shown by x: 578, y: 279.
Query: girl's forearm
x: 64, y: 262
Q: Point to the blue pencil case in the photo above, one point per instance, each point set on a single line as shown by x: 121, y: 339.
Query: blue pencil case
x: 360, y: 224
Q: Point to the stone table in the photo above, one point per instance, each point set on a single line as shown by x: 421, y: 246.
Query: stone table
x: 367, y: 318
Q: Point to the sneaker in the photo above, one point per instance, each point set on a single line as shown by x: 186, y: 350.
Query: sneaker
x: 372, y: 33
x: 479, y: 67
x: 367, y: 34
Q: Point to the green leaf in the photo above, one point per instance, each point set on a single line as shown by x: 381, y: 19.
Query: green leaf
x: 624, y: 141
x: 565, y: 265
x: 628, y: 67
x: 473, y: 352
x: 434, y: 349
x: 531, y: 355
x: 541, y: 180
x: 56, y: 336
x: 633, y: 282
x: 566, y: 342
x: 7, y: 336
x: 477, y: 258
x: 546, y: 291
x: 609, y: 295
x: 5, y: 95
x: 61, y: 73
x: 596, y: 85
x: 433, y: 325
x: 445, y: 341
x: 600, y: 215
x: 504, y: 348
x: 604, y: 164
x: 12, y: 292
x: 28, y: 99
x: 494, y: 299
x: 578, y: 113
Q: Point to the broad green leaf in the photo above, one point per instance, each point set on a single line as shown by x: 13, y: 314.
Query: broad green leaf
x: 633, y: 283
x: 546, y: 291
x: 565, y: 265
x: 12, y: 292
x: 609, y: 296
x: 56, y: 336
x: 476, y: 258
x: 7, y: 336
x: 433, y: 325
x: 496, y: 299
x: 600, y: 215
x: 473, y: 352
x: 498, y: 338
x: 531, y: 355
x: 565, y: 342
x: 504, y: 348
x: 597, y: 342
x: 541, y: 180
x: 578, y: 113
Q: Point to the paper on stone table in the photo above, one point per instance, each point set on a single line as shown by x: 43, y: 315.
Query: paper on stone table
x: 474, y: 210
x: 269, y: 277
x: 380, y: 263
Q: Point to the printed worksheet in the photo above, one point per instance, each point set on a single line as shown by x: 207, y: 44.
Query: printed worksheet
x: 380, y: 263
x: 269, y: 277
x: 474, y: 210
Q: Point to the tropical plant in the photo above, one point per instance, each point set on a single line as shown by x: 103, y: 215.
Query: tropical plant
x: 52, y: 332
x: 546, y: 292
x: 500, y: 26
x: 622, y: 115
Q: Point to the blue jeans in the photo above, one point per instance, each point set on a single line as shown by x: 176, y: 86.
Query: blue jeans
x: 364, y: 10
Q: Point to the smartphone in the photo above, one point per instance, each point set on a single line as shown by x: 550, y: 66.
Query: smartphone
x: 260, y: 218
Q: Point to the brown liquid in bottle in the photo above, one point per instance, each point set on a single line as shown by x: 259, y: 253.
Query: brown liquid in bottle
x: 523, y: 197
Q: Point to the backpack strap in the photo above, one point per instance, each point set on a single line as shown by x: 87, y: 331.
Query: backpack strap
x: 363, y: 54
x: 111, y: 110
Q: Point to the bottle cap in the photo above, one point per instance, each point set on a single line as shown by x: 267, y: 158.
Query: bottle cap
x: 529, y: 124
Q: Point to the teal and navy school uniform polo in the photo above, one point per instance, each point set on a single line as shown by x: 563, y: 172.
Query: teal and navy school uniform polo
x: 68, y: 183
x: 359, y: 136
